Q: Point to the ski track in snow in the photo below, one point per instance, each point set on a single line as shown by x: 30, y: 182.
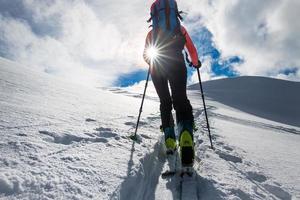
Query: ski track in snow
x: 256, y: 124
x: 131, y: 93
x: 254, y: 183
x: 77, y: 153
x: 257, y: 185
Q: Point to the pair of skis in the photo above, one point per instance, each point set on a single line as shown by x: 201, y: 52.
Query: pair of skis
x: 187, y: 176
x: 175, y: 167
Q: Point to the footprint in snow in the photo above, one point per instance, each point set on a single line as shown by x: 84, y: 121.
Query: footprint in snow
x: 228, y: 148
x: 200, y: 141
x: 90, y: 134
x: 70, y: 159
x: 106, y: 133
x: 65, y: 139
x: 241, y: 194
x: 68, y: 139
x: 22, y: 134
x: 133, y: 124
x: 153, y: 118
x: 9, y: 187
x: 100, y: 140
x: 90, y: 120
x: 224, y: 146
x: 129, y: 123
x: 256, y: 177
x: 278, y: 192
x: 145, y: 136
x: 198, y: 113
x: 228, y: 157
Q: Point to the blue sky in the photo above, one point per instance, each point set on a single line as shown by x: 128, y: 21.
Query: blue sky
x: 100, y: 42
x: 206, y: 50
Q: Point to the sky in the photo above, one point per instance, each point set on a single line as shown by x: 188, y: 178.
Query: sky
x: 100, y: 42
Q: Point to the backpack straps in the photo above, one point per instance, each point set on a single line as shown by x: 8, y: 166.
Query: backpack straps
x: 153, y: 12
x: 167, y: 5
x: 178, y: 13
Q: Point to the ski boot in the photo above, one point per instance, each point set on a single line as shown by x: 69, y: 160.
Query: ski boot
x: 186, y: 143
x: 170, y: 140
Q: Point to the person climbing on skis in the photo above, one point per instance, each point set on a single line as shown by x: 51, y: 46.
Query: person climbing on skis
x: 166, y: 41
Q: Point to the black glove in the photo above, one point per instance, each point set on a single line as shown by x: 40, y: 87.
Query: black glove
x: 199, y: 64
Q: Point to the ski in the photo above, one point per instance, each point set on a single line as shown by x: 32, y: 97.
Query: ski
x: 172, y: 159
x: 184, y: 176
x: 188, y: 187
x: 189, y: 181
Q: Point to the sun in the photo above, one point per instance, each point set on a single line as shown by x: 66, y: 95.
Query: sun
x: 152, y: 53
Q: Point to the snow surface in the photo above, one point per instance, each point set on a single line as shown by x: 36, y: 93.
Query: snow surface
x: 274, y: 99
x: 65, y: 141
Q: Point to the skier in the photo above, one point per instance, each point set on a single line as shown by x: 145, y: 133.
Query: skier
x: 169, y: 38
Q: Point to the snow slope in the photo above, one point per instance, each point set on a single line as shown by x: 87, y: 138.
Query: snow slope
x: 66, y: 141
x: 273, y: 99
x: 62, y: 141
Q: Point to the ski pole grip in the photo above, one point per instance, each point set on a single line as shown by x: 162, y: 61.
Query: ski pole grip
x: 199, y: 64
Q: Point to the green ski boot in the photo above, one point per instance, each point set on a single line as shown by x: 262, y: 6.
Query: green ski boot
x: 170, y: 140
x: 186, y: 143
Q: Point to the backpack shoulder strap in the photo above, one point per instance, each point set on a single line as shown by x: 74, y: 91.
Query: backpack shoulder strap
x: 167, y: 13
x: 178, y: 13
x: 153, y: 12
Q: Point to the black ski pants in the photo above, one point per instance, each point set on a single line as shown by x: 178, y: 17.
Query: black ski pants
x: 172, y: 72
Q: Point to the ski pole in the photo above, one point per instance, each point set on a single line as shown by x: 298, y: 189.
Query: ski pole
x: 134, y: 137
x: 202, y: 95
x: 201, y: 88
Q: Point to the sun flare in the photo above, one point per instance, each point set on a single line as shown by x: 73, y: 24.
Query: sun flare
x: 152, y: 53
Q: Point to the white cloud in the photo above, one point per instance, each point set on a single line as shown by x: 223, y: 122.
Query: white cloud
x: 88, y: 40
x: 291, y: 77
x: 266, y: 34
x: 93, y: 41
x: 206, y: 73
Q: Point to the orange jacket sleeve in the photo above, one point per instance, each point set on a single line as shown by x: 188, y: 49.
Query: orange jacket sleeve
x: 190, y: 47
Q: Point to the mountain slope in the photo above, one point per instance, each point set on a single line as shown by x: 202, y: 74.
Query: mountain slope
x: 66, y: 141
x: 63, y: 141
x: 273, y: 99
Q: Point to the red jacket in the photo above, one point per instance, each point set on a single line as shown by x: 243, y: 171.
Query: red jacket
x: 189, y: 45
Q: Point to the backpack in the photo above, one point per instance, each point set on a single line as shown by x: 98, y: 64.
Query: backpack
x: 165, y: 19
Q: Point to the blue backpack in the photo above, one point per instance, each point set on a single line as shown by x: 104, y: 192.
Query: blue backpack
x: 165, y: 18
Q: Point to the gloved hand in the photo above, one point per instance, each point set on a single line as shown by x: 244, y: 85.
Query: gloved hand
x: 199, y: 64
